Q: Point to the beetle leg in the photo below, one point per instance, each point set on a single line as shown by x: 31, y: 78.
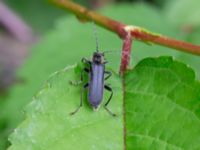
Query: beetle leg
x: 84, y: 60
x: 81, y: 99
x: 105, y: 62
x: 109, y: 74
x: 76, y: 83
x: 106, y: 104
x: 86, y: 70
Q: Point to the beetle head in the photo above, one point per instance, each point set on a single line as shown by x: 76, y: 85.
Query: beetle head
x: 98, y: 58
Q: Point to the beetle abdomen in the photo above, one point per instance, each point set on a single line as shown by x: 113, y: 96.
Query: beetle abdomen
x: 96, y: 85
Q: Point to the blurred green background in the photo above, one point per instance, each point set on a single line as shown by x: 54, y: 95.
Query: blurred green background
x: 37, y: 39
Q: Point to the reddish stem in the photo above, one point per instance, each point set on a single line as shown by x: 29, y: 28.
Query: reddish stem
x: 126, y: 52
x: 142, y: 35
x: 86, y: 15
x: 122, y: 30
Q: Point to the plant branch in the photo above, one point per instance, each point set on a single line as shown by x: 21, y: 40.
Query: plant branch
x: 126, y: 51
x: 121, y: 29
x: 85, y: 15
x: 126, y: 32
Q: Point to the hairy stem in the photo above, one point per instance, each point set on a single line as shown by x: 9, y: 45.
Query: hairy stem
x: 126, y: 53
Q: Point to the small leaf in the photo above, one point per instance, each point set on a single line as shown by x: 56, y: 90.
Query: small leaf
x: 162, y: 106
x: 48, y: 124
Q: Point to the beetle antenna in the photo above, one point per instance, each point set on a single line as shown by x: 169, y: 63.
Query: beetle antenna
x: 95, y: 36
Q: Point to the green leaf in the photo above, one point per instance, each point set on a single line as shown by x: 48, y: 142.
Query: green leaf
x: 184, y: 15
x: 64, y: 45
x: 49, y: 125
x: 162, y: 106
x: 162, y: 101
x: 192, y: 60
x: 71, y: 40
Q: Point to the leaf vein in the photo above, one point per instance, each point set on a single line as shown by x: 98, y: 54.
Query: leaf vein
x: 156, y: 139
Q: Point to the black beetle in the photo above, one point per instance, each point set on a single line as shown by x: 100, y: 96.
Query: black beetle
x: 96, y: 83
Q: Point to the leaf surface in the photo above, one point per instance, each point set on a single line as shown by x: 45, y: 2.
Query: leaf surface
x: 49, y: 125
x: 162, y: 106
x: 71, y: 40
x: 162, y: 101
